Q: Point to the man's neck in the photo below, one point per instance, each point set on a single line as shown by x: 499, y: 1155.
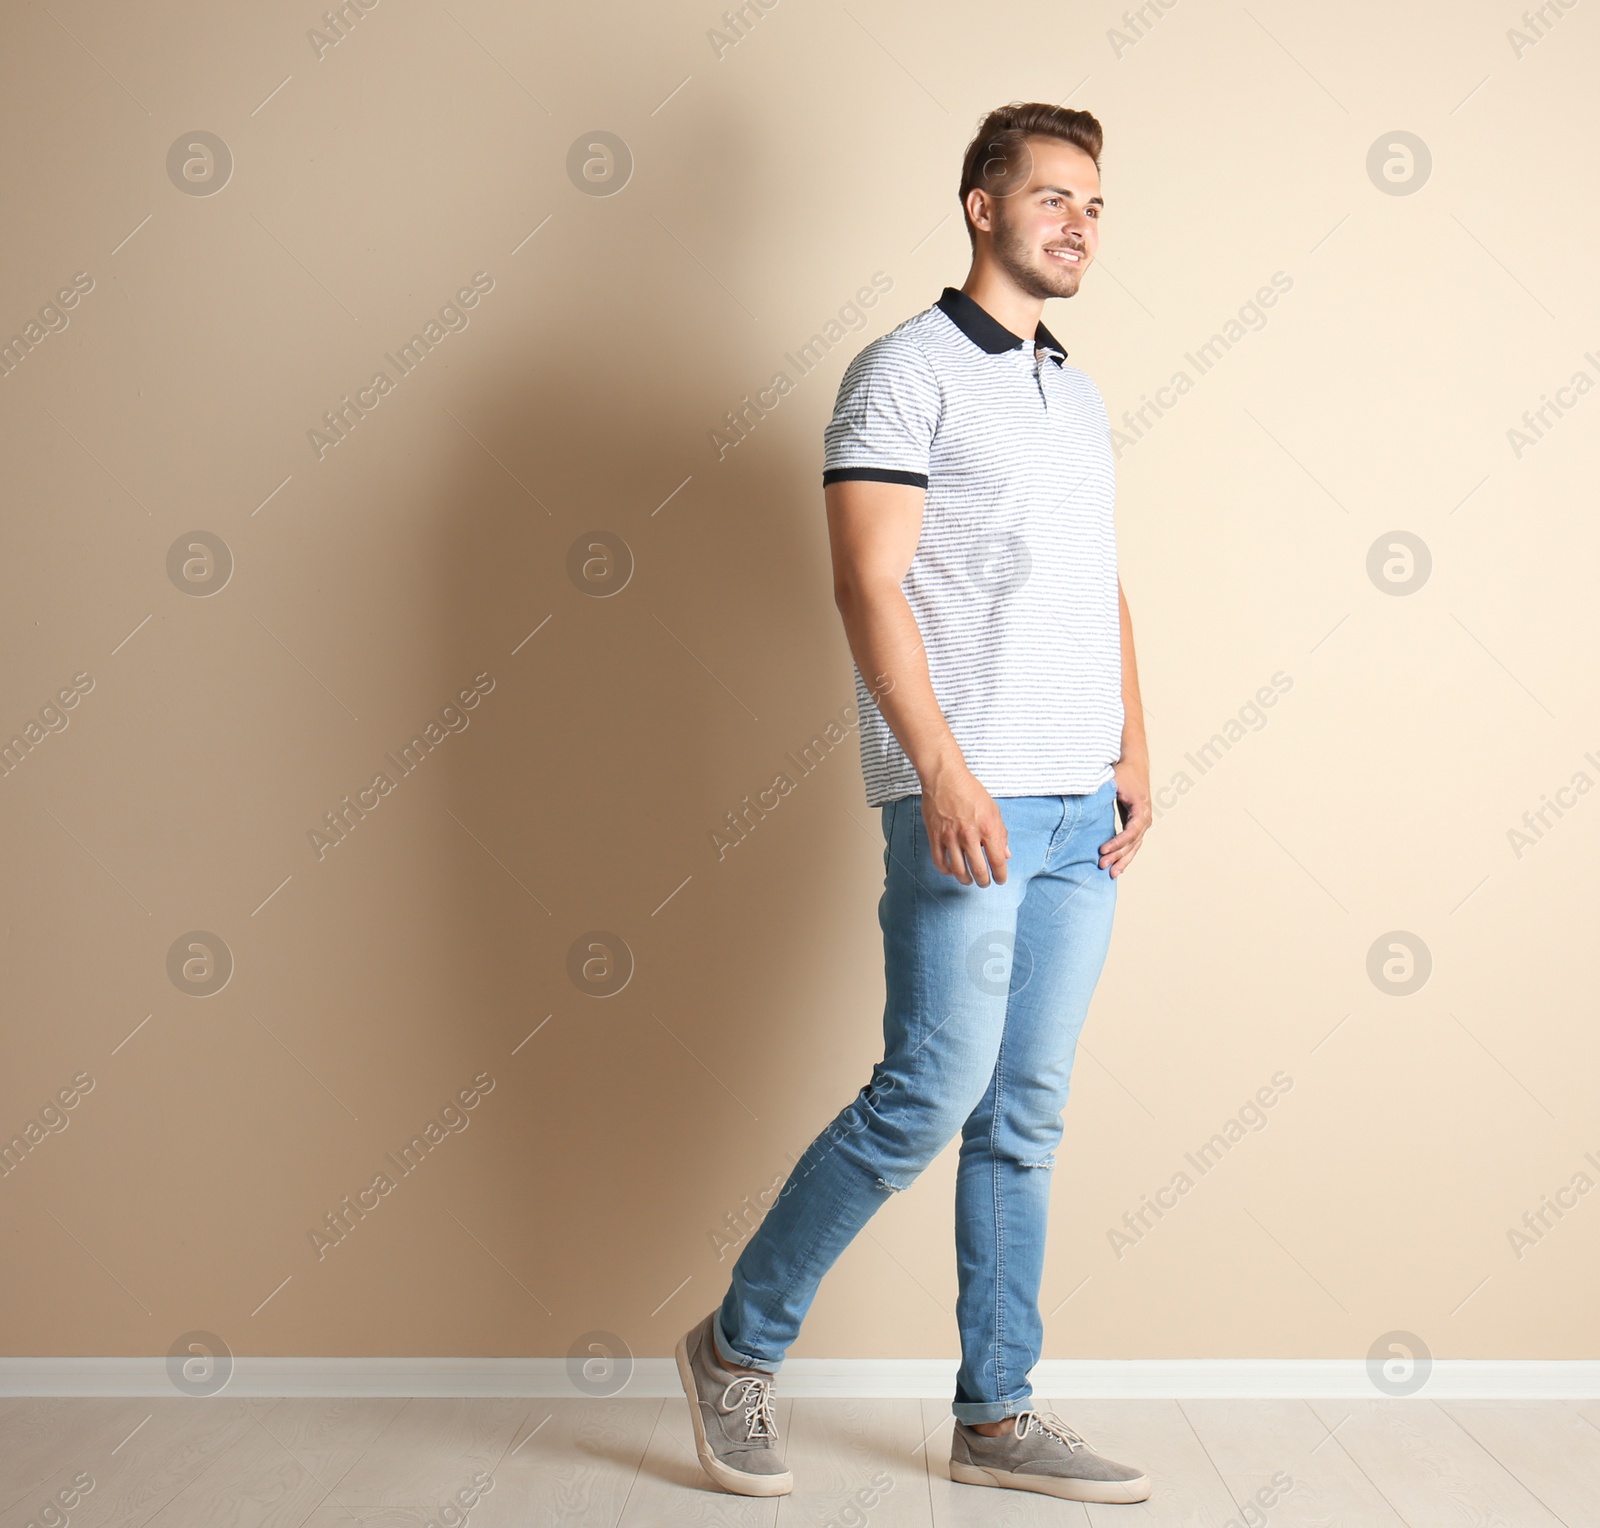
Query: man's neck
x: 1003, y: 301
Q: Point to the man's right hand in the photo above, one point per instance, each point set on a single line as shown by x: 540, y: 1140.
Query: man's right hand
x: 966, y: 833
x: 874, y: 529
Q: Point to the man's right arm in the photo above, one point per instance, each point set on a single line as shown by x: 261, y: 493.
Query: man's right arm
x: 873, y: 530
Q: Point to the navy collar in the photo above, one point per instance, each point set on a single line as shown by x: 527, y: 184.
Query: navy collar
x: 986, y: 331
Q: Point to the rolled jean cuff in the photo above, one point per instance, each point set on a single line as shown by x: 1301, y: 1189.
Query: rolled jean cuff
x: 990, y: 1411
x: 729, y: 1356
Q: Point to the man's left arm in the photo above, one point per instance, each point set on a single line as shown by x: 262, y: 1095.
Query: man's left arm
x: 1132, y: 770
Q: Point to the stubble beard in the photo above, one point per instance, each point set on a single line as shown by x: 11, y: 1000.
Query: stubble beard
x: 1033, y: 272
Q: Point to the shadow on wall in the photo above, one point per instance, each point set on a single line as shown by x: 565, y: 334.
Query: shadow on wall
x: 624, y: 729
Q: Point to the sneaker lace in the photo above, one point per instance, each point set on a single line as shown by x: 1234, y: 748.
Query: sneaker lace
x: 1049, y: 1422
x: 759, y: 1419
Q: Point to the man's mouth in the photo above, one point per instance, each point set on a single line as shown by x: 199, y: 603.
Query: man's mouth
x: 1066, y: 255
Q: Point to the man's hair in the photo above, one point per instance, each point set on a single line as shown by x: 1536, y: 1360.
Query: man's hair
x: 998, y: 161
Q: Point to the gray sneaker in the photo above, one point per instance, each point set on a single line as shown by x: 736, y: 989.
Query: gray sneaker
x: 1042, y: 1454
x: 735, y: 1431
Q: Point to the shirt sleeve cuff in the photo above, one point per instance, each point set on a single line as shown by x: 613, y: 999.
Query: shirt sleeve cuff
x: 874, y: 475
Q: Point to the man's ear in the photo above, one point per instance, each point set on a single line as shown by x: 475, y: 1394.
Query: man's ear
x: 979, y: 211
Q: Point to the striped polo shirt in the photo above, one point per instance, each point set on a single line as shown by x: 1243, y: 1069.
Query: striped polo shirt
x: 1014, y: 580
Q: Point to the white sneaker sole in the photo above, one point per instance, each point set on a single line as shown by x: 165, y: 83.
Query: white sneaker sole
x: 740, y: 1482
x: 1137, y: 1489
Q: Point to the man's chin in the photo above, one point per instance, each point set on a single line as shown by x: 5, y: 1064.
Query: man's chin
x: 1069, y: 280
x: 1056, y: 282
x: 1046, y: 281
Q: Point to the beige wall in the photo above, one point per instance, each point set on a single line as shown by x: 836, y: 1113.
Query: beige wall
x: 428, y: 552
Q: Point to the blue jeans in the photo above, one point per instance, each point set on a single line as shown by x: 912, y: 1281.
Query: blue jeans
x: 987, y: 989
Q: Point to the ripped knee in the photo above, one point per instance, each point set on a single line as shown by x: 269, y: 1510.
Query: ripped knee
x: 1047, y: 1160
x: 893, y: 1188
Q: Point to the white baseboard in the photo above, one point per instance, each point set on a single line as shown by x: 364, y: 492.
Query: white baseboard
x: 933, y: 1378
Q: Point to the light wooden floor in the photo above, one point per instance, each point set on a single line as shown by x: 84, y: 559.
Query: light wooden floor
x: 626, y: 1463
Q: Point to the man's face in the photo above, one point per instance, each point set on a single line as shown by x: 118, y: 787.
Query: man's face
x: 1047, y: 230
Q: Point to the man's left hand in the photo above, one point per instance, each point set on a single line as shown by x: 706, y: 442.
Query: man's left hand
x: 1133, y: 804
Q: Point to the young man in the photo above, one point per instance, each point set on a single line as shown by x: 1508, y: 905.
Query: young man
x: 968, y: 476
